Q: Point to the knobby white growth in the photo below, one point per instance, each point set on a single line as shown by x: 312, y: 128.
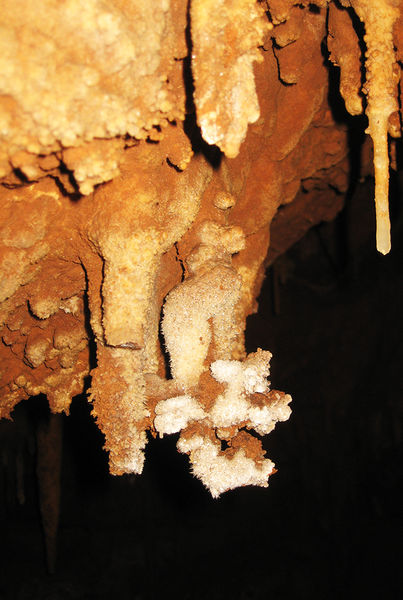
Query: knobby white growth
x: 220, y: 473
x: 234, y: 409
x: 174, y: 414
x: 222, y: 398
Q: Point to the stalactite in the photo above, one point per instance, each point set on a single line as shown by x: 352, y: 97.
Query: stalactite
x: 382, y: 76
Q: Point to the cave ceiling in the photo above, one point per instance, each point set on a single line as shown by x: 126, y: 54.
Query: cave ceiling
x: 152, y: 154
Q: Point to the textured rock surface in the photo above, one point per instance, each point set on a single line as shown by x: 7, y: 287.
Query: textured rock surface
x: 114, y: 98
x: 228, y: 103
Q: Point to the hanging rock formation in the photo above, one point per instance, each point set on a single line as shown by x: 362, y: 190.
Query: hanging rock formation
x: 146, y: 148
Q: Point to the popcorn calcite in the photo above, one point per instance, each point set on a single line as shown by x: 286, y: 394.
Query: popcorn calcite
x: 154, y: 158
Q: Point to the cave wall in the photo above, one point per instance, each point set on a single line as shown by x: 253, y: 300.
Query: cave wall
x: 147, y: 149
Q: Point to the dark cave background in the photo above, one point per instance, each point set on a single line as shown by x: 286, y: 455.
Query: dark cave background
x: 330, y: 523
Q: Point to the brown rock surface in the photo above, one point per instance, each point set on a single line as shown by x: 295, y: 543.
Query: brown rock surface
x: 114, y: 205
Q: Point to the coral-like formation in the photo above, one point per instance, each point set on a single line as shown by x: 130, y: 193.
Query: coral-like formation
x: 246, y: 402
x: 151, y: 155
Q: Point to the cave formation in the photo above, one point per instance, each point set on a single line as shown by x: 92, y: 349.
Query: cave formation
x: 156, y: 158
